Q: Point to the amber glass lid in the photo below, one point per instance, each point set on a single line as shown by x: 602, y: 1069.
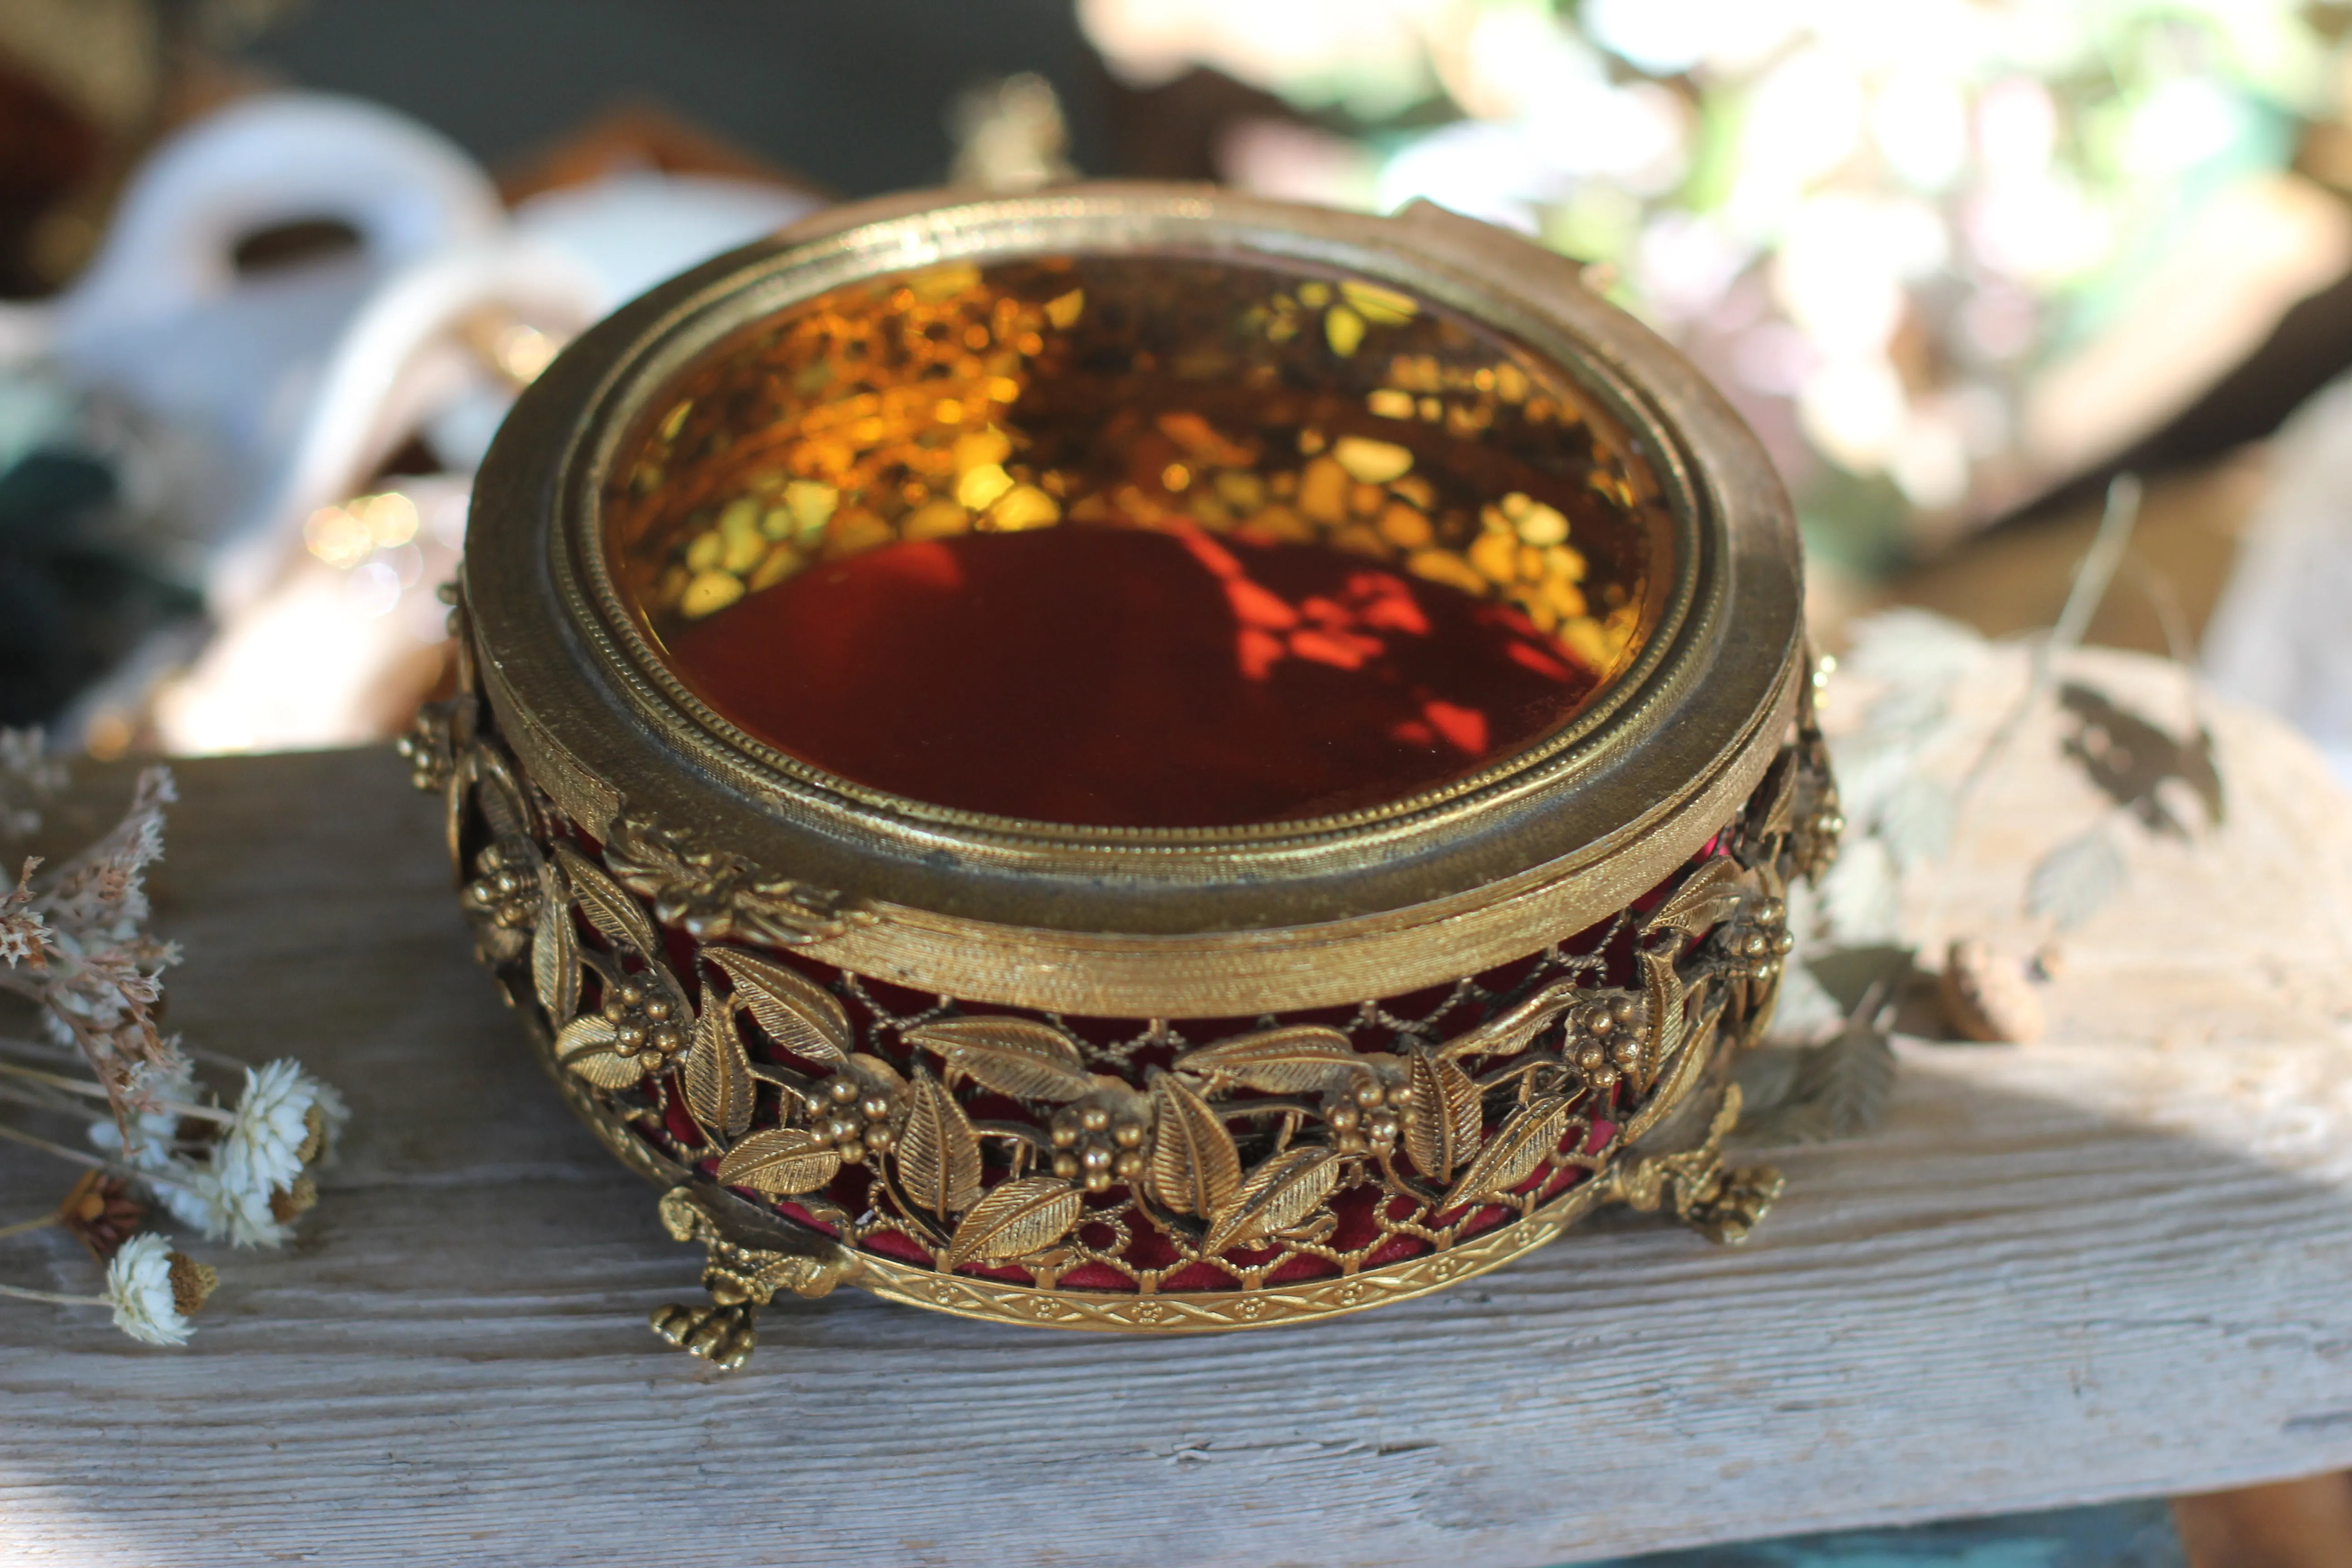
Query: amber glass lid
x: 1136, y: 538
x: 1149, y: 565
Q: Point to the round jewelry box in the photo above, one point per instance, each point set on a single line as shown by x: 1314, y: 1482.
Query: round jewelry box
x: 1133, y: 758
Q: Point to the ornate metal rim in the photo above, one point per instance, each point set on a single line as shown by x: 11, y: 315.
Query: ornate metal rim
x: 1106, y: 923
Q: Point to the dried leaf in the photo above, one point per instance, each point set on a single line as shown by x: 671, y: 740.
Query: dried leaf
x: 1444, y: 1120
x: 1525, y: 1139
x: 1016, y: 1220
x: 1805, y: 1013
x: 1870, y: 766
x: 1300, y: 1059
x: 1860, y: 894
x: 1910, y: 648
x: 608, y: 907
x: 786, y: 1161
x: 1278, y: 1195
x: 584, y: 1047
x: 1916, y: 824
x: 1194, y: 1168
x: 1708, y: 895
x: 1508, y: 1033
x: 556, y: 948
x: 717, y: 1074
x: 1016, y: 1057
x: 2071, y: 882
x: 938, y: 1154
x: 797, y: 1013
x: 1838, y: 1090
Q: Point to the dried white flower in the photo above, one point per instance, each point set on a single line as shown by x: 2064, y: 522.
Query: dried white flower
x: 23, y: 936
x: 284, y: 1123
x: 154, y: 1129
x: 241, y: 1214
x: 255, y: 1183
x: 29, y: 777
x: 152, y: 1290
x: 77, y: 946
x: 96, y: 972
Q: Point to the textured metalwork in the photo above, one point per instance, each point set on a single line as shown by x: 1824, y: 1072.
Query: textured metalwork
x: 1146, y: 1080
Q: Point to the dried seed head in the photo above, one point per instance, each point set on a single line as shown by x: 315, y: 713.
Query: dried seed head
x: 193, y: 1283
x: 289, y: 1202
x: 1987, y: 996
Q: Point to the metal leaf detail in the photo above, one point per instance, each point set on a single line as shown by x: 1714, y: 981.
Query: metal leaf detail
x: 1194, y: 1168
x: 719, y: 1087
x: 1016, y: 1220
x: 455, y: 790
x: 500, y: 796
x: 1301, y: 1058
x: 1696, y: 1047
x: 1708, y: 895
x: 938, y: 1154
x: 555, y: 949
x: 1664, y: 997
x: 1278, y: 1193
x: 876, y: 1073
x: 1016, y: 1057
x: 607, y: 906
x: 797, y: 1013
x: 586, y: 1048
x: 1508, y: 1033
x: 786, y: 1161
x: 1526, y: 1140
x: 1443, y: 1119
x: 1777, y: 798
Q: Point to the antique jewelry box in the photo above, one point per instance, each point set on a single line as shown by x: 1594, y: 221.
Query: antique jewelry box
x: 1133, y: 758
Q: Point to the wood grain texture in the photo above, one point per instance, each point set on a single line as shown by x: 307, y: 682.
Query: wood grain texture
x: 2113, y: 1264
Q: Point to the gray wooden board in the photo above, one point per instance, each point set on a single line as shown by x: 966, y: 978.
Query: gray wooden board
x: 2115, y: 1264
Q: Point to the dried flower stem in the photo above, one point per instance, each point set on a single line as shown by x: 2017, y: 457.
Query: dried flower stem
x: 47, y: 1051
x: 2092, y: 577
x: 40, y: 1050
x: 26, y: 1227
x: 98, y: 1091
x: 51, y: 1296
x: 41, y: 1101
x: 76, y: 1156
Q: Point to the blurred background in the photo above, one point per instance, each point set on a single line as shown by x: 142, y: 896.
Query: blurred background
x: 271, y: 270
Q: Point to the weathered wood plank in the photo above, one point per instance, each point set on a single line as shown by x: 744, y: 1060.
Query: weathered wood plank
x: 2109, y: 1265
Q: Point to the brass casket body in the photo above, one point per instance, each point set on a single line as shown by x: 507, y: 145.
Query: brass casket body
x: 1008, y: 1002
